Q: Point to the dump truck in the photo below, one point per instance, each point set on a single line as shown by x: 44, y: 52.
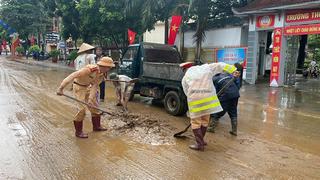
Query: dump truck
x: 157, y: 68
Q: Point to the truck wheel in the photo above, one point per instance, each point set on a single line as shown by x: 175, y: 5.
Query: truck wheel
x: 173, y: 103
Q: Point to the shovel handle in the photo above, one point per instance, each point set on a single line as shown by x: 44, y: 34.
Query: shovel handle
x: 131, y: 81
x: 89, y: 105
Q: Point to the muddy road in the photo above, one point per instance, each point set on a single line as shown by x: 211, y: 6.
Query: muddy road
x: 279, y: 135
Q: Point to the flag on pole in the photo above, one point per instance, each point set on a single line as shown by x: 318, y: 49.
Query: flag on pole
x: 174, y: 27
x: 131, y: 36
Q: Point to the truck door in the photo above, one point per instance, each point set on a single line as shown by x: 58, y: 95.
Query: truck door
x: 129, y: 65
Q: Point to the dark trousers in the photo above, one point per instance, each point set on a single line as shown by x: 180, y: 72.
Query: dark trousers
x: 229, y: 106
x: 102, y: 89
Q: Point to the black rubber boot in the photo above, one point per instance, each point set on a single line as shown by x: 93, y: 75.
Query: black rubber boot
x: 212, y: 125
x: 78, y: 126
x: 234, y: 124
x: 96, y: 124
x: 199, y: 139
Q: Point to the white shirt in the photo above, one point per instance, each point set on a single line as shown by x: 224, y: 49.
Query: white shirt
x: 83, y: 60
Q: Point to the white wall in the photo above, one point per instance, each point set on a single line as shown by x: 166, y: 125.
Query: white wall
x: 216, y: 38
x: 156, y: 35
x: 233, y: 36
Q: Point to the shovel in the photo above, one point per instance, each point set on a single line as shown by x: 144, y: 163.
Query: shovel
x: 178, y: 134
x: 131, y: 81
x: 103, y: 111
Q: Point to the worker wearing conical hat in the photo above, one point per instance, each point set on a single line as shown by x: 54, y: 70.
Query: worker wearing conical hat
x: 85, y: 85
x: 85, y: 56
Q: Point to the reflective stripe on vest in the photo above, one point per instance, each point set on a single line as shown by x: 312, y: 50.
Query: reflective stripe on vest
x: 229, y: 68
x: 204, y: 104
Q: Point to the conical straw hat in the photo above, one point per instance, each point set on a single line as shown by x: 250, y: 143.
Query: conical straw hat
x: 85, y: 47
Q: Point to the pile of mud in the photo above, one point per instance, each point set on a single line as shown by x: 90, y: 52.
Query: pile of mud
x: 141, y: 128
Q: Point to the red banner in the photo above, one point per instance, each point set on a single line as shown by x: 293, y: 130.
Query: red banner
x: 276, y: 54
x: 303, y: 16
x: 131, y: 36
x: 265, y: 21
x: 302, y: 30
x: 174, y: 27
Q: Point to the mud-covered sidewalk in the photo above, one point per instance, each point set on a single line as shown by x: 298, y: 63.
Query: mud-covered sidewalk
x: 278, y: 134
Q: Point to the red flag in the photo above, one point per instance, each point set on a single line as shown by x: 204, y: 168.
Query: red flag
x: 131, y: 36
x: 16, y: 42
x: 174, y: 27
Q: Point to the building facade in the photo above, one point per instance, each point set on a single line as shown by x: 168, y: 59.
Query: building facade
x: 273, y: 39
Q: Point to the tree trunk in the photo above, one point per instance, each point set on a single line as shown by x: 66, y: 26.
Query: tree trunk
x: 302, y: 52
x: 198, y: 52
x: 181, y: 34
x: 166, y: 31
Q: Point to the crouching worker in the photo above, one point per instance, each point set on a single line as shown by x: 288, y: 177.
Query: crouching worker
x: 85, y: 85
x: 124, y: 86
x: 229, y: 101
x: 201, y: 95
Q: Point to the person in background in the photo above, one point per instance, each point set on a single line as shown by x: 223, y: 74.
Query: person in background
x: 85, y: 56
x: 102, y: 85
x: 27, y: 54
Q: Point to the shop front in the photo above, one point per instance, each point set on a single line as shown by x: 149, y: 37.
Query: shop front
x: 274, y: 39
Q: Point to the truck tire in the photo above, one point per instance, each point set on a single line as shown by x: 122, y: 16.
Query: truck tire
x: 174, y: 104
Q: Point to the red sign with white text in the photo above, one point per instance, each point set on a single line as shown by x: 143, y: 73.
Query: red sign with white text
x: 302, y: 30
x: 303, y: 16
x: 266, y: 21
x: 276, y: 54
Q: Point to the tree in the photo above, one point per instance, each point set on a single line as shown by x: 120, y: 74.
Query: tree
x: 70, y: 18
x: 25, y: 16
x: 209, y: 14
x: 314, y: 47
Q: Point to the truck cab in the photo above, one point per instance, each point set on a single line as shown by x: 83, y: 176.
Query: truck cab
x: 157, y: 67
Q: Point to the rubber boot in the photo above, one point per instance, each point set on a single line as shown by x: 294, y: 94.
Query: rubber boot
x: 96, y: 124
x: 212, y: 125
x: 234, y: 127
x: 78, y: 126
x: 199, y: 139
x: 204, y: 130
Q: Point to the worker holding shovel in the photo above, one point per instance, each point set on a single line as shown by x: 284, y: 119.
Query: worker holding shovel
x: 201, y: 95
x: 85, y: 85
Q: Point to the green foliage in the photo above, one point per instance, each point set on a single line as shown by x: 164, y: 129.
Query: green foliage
x: 34, y: 49
x: 70, y: 18
x: 54, y: 53
x: 72, y: 56
x: 314, y: 47
x: 26, y: 16
x: 20, y: 50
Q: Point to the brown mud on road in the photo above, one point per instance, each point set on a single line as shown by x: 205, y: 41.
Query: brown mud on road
x: 144, y: 129
x: 278, y: 138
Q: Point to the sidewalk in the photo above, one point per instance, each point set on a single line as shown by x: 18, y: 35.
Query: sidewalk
x: 42, y: 63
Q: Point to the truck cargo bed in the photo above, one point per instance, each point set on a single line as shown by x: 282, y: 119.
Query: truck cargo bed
x: 168, y: 71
